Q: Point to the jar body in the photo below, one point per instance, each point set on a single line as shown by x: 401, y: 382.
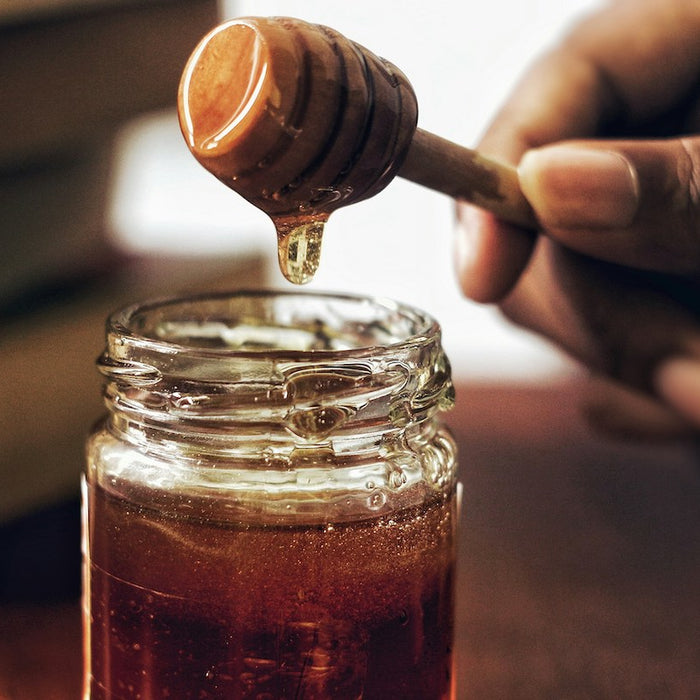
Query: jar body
x: 305, y: 549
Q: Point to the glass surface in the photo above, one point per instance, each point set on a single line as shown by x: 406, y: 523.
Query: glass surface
x: 270, y: 507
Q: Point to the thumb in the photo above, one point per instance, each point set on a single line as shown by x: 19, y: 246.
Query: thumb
x: 636, y: 203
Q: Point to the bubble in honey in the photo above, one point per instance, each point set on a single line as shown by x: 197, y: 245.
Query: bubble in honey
x: 299, y: 249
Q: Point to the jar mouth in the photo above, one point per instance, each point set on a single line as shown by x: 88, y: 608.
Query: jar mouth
x: 279, y: 324
x: 280, y: 395
x: 315, y: 365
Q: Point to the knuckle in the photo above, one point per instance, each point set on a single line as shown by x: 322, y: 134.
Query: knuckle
x: 689, y: 179
x: 675, y: 232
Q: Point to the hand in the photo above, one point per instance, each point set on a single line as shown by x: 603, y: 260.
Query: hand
x: 604, y: 130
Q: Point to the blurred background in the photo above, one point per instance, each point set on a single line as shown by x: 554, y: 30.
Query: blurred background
x: 579, y: 555
x: 101, y: 204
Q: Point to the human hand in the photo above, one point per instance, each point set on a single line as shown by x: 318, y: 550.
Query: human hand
x: 604, y: 129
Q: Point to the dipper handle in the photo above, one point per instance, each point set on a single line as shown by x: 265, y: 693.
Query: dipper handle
x: 466, y: 174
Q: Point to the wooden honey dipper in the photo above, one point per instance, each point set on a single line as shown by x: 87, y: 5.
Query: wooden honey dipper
x: 301, y: 121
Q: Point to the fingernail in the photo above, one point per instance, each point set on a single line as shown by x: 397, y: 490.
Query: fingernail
x: 576, y: 187
x: 678, y: 382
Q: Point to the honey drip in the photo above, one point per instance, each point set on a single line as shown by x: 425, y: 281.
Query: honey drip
x: 299, y: 248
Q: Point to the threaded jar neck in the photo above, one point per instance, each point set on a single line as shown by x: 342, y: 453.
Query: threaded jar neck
x: 303, y: 367
x: 287, y: 402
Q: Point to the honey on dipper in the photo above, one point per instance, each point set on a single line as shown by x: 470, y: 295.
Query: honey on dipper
x: 298, y: 120
x: 301, y: 121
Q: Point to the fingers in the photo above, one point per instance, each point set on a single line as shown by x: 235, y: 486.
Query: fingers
x: 574, y: 188
x: 620, y: 322
x: 615, y: 279
x: 626, y: 68
x: 678, y: 382
x: 634, y: 203
x: 490, y: 255
x: 561, y: 96
x: 639, y: 329
x: 617, y: 411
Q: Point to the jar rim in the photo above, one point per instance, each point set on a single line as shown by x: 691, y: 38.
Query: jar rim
x: 128, y: 325
x: 315, y: 364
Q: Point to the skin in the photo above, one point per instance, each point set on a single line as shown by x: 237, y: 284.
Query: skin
x: 604, y: 130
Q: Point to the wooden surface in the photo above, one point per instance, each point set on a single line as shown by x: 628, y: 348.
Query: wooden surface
x: 467, y: 175
x: 580, y: 557
x: 579, y: 564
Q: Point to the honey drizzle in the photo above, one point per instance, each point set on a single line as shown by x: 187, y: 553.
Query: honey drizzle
x: 299, y: 247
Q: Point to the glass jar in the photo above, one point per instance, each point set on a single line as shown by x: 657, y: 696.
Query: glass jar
x: 270, y: 503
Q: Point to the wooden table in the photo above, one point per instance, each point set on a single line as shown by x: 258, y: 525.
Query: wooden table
x: 580, y: 557
x: 579, y: 564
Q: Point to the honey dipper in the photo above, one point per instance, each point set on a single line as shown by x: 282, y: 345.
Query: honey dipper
x: 301, y: 121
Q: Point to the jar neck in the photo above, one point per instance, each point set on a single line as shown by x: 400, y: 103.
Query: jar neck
x: 295, y: 371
